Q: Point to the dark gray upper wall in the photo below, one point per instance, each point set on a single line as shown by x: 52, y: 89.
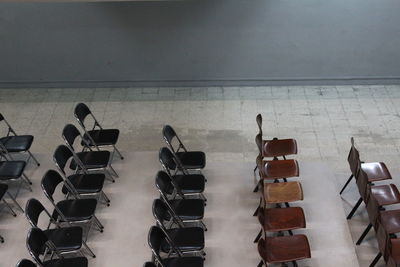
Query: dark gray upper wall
x: 257, y: 40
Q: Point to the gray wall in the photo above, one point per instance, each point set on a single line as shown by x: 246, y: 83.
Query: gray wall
x: 199, y: 42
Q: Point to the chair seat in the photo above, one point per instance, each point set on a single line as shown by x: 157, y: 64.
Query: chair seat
x: 390, y: 220
x: 3, y: 190
x: 282, y: 192
x: 94, y: 159
x: 17, y: 143
x: 279, y: 147
x: 86, y: 183
x: 103, y: 137
x: 191, y: 183
x: 188, y: 209
x: 11, y: 169
x: 386, y: 194
x: 276, y: 169
x: 287, y: 248
x: 66, y: 239
x: 77, y: 210
x: 183, y: 262
x: 192, y: 159
x: 67, y: 262
x: 185, y: 239
x: 376, y: 171
x: 282, y: 219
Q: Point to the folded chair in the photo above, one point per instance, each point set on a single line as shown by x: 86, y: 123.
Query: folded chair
x: 65, y: 239
x: 14, y: 143
x: 73, y: 210
x: 187, y: 210
x: 191, y: 160
x: 375, y: 171
x: 156, y: 238
x: 25, y: 263
x: 38, y: 244
x: 92, y: 160
x: 97, y: 136
x: 83, y: 183
x: 184, y: 239
x: 283, y: 249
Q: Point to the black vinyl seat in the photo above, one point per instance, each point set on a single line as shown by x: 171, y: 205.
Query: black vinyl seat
x: 92, y: 160
x: 70, y: 210
x: 189, y: 239
x: 37, y: 242
x: 187, y: 210
x: 98, y: 136
x: 65, y: 239
x: 155, y: 239
x: 12, y: 169
x: 25, y: 263
x: 80, y: 183
x: 17, y: 143
x: 192, y: 160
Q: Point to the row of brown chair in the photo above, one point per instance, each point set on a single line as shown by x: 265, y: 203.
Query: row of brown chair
x: 279, y: 249
x: 376, y: 198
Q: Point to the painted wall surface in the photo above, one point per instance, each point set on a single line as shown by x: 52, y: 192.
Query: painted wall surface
x: 116, y: 43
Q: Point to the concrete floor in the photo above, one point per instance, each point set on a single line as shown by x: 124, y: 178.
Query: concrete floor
x: 221, y: 121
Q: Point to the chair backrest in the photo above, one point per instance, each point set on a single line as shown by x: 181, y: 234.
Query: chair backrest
x: 353, y: 158
x: 162, y: 213
x: 36, y: 242
x: 81, y: 112
x: 155, y: 239
x: 362, y: 183
x: 25, y: 263
x: 50, y: 181
x: 166, y: 186
x: 70, y: 133
x: 61, y: 156
x: 149, y: 264
x: 167, y: 159
x: 261, y: 247
x: 169, y: 134
x: 33, y: 209
x: 393, y: 252
x: 259, y: 123
x: 383, y: 240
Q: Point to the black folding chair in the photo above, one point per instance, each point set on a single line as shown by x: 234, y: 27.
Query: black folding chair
x: 65, y: 239
x: 25, y: 263
x: 38, y: 244
x: 92, y: 160
x: 187, y: 210
x: 191, y: 160
x: 4, y: 191
x: 84, y: 183
x: 156, y: 238
x: 11, y: 170
x: 184, y: 239
x: 14, y: 143
x: 73, y: 210
x: 97, y: 136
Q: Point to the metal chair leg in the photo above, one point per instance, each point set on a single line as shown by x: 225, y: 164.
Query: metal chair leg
x: 294, y: 263
x: 26, y: 178
x: 354, y: 209
x: 119, y: 153
x: 31, y: 155
x: 112, y: 169
x: 364, y: 234
x: 345, y: 185
x: 9, y: 207
x: 287, y: 205
x: 260, y: 264
x: 256, y: 188
x: 1, y: 239
x: 256, y: 212
x: 258, y: 237
x: 88, y: 249
x: 375, y: 261
x: 15, y: 201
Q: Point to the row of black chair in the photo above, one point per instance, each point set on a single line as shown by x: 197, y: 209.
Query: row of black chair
x: 177, y: 239
x: 273, y: 218
x: 377, y: 198
x: 10, y: 168
x: 80, y: 178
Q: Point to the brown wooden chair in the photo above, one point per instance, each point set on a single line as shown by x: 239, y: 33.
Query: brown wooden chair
x: 376, y: 171
x: 384, y: 194
x: 279, y: 220
x: 394, y: 253
x: 283, y: 249
x: 276, y: 169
